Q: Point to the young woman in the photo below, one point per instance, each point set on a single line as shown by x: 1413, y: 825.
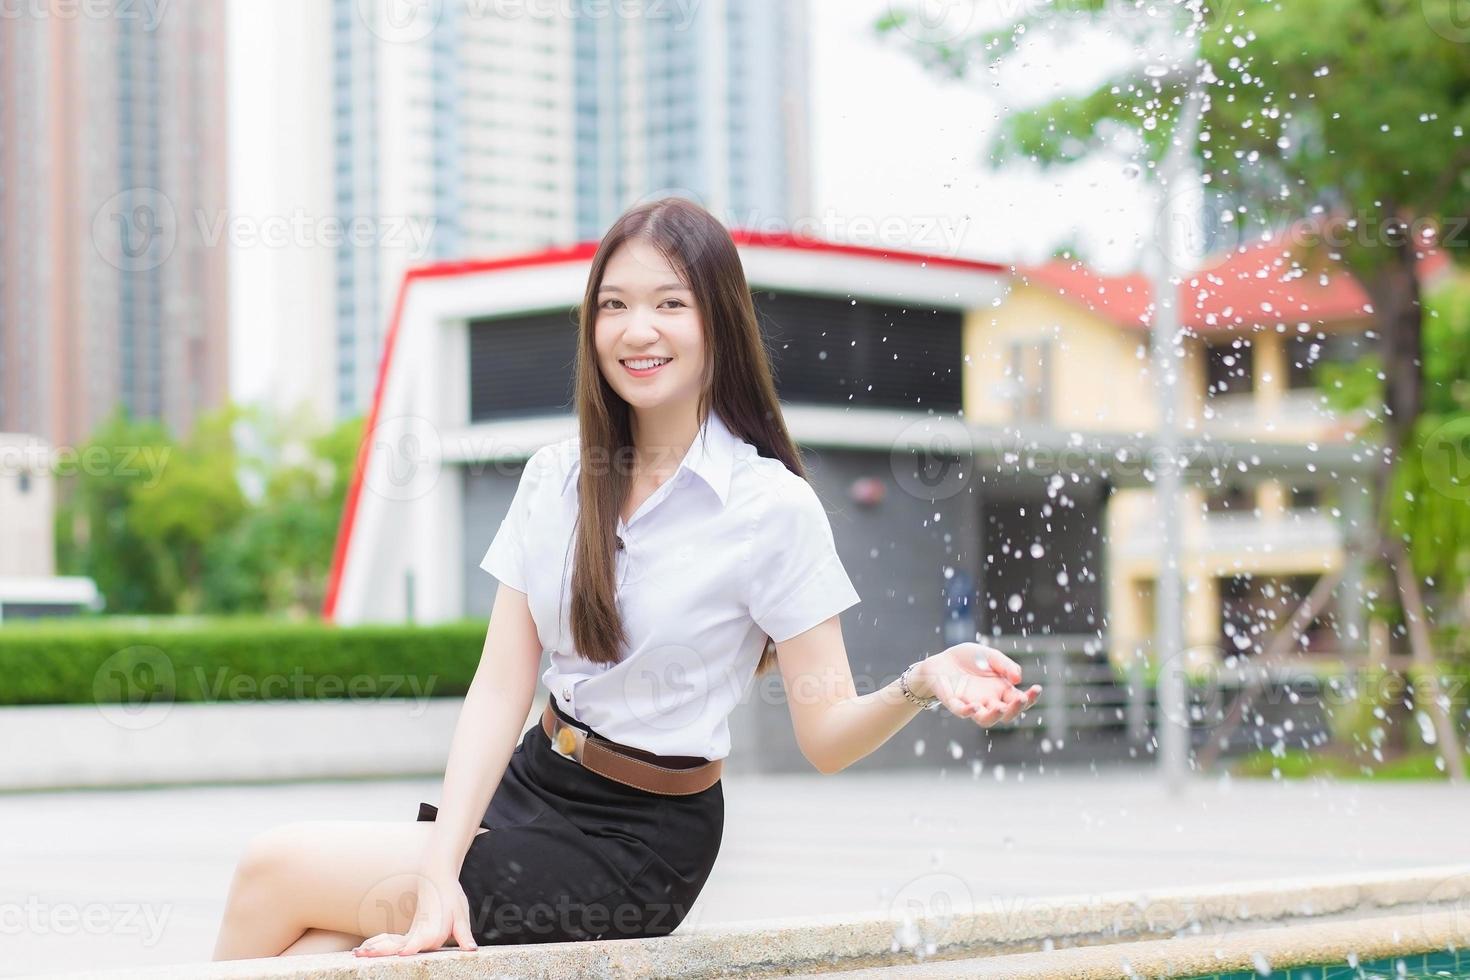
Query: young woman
x: 665, y: 555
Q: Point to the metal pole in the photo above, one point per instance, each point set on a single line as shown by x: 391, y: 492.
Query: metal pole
x: 1173, y: 724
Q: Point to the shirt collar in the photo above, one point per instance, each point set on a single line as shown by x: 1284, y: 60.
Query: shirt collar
x: 710, y: 457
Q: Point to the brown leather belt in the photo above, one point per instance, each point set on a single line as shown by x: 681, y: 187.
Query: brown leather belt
x: 616, y: 761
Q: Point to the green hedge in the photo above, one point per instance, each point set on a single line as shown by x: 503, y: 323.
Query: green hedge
x: 157, y: 660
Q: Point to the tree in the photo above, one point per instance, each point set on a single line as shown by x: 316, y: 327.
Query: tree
x: 279, y: 556
x: 240, y: 517
x: 196, y: 500
x: 1352, y: 113
x: 95, y: 533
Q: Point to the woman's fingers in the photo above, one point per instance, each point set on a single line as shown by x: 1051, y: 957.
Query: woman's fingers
x: 1003, y: 665
x: 464, y: 937
x: 988, y: 714
x: 423, y: 935
x: 1016, y: 702
x: 380, y: 945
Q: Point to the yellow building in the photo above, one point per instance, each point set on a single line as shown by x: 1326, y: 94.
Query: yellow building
x: 1068, y: 351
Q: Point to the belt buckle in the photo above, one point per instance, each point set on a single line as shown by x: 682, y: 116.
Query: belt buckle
x: 565, y: 741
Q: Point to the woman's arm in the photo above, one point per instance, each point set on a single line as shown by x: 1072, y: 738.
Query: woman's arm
x: 835, y: 726
x: 489, y: 725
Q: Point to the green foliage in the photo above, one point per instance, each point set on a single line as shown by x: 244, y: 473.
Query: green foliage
x: 1301, y: 764
x: 1307, y: 102
x: 278, y: 556
x: 97, y: 534
x: 241, y: 517
x: 152, y: 661
x: 196, y: 499
x: 1429, y: 495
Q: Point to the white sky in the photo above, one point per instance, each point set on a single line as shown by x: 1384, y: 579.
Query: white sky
x: 892, y: 139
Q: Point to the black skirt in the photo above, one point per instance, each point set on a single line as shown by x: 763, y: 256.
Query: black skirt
x: 572, y: 855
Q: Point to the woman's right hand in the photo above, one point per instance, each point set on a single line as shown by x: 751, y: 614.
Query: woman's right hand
x: 442, y: 911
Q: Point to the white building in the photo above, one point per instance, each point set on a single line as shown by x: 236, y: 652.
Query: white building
x: 29, y: 585
x: 477, y: 375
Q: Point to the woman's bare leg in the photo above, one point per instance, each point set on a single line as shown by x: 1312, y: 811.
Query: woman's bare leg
x: 323, y: 941
x: 356, y: 877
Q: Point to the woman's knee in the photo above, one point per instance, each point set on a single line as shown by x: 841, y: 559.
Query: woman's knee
x: 271, y: 853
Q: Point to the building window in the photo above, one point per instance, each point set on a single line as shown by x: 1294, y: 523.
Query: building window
x: 1229, y: 368
x: 826, y: 350
x: 1030, y: 367
x: 1313, y: 497
x: 1306, y: 497
x: 1306, y: 356
x: 1231, y: 498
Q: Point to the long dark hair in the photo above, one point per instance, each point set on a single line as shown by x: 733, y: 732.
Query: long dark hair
x: 737, y: 384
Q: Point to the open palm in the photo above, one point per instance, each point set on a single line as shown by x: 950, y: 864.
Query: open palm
x: 977, y: 682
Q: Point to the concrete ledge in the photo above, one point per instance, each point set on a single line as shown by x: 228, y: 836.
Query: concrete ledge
x: 1324, y: 943
x: 1435, y: 901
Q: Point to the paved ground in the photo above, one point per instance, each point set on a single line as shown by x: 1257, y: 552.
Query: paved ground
x: 92, y: 879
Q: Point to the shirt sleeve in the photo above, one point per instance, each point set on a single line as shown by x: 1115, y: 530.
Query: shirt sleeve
x: 506, y: 556
x: 795, y: 580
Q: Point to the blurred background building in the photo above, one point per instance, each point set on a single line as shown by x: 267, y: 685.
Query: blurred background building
x: 29, y: 585
x: 450, y: 131
x: 114, y: 166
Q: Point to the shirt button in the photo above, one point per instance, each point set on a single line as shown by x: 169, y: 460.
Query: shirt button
x: 566, y: 693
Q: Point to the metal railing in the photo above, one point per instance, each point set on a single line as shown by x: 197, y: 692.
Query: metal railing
x: 1083, y: 691
x: 1086, y: 692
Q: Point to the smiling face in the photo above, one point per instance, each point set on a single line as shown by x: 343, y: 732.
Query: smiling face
x: 649, y: 337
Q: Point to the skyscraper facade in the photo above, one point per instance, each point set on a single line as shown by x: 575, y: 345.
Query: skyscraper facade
x: 113, y: 179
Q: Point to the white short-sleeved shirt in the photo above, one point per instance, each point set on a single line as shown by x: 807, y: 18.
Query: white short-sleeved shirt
x: 732, y: 548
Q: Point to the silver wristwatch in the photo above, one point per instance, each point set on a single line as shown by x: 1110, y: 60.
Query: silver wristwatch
x: 903, y: 683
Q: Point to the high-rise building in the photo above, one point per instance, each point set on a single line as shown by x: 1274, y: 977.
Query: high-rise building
x: 469, y: 130
x: 711, y: 100
x: 113, y: 288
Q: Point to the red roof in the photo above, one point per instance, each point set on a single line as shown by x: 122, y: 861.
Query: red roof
x: 1265, y: 282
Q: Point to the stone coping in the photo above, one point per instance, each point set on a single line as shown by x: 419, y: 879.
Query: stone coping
x: 1425, y: 906
x: 1279, y: 948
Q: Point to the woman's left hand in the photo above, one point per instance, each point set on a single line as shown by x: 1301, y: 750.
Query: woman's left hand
x: 976, y: 682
